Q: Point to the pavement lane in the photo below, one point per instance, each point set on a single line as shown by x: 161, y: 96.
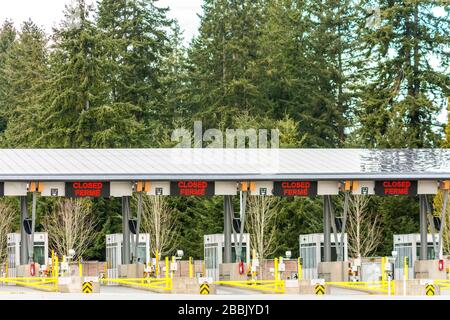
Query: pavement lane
x: 226, y: 290
x: 111, y: 290
x: 9, y: 289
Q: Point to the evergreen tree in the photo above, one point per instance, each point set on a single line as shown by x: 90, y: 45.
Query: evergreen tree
x: 7, y: 37
x: 221, y: 60
x: 401, y: 98
x: 308, y: 53
x: 75, y: 85
x: 24, y: 71
x: 136, y: 46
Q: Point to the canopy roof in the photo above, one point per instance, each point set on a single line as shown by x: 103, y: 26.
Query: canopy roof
x: 222, y: 164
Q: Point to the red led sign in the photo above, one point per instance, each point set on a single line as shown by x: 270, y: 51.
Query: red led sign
x: 95, y: 189
x: 192, y: 188
x: 396, y: 187
x: 295, y: 188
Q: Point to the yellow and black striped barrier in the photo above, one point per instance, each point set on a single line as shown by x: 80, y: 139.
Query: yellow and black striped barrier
x: 430, y: 290
x: 319, y: 290
x: 88, y: 287
x: 204, y: 288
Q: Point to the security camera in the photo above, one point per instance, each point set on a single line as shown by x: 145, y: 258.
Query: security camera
x: 394, y: 254
x: 288, y: 254
x: 180, y: 253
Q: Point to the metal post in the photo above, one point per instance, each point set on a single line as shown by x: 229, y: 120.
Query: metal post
x: 126, y: 230
x: 227, y: 229
x: 23, y: 234
x: 138, y: 223
x: 334, y: 230
x: 326, y: 228
x: 344, y: 222
x: 243, y: 204
x: 443, y: 218
x: 33, y: 227
x: 423, y: 228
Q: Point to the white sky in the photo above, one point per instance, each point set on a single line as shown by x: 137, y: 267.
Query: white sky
x: 48, y: 13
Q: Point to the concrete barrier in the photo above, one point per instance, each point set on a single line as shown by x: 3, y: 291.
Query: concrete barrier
x: 23, y: 271
x: 186, y: 285
x: 306, y: 287
x: 230, y: 272
x: 429, y: 269
x: 74, y: 284
x: 414, y: 287
x: 335, y: 271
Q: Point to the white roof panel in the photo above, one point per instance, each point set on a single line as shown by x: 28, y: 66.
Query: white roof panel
x: 222, y: 164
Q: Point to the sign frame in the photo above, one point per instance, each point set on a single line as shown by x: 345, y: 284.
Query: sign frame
x: 280, y: 187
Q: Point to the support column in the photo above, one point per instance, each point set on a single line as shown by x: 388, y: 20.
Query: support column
x: 243, y: 206
x: 138, y: 226
x: 126, y: 230
x: 23, y: 235
x: 326, y: 228
x: 423, y: 228
x: 227, y: 210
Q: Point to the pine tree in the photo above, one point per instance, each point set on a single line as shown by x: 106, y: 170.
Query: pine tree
x: 221, y: 60
x: 136, y: 46
x: 404, y: 92
x: 308, y: 50
x: 75, y: 82
x: 79, y: 112
x: 7, y: 37
x: 446, y: 142
x: 24, y: 71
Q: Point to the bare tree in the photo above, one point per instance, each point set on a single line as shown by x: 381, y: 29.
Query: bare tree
x: 71, y: 225
x: 261, y: 216
x: 364, y: 227
x: 6, y: 223
x: 159, y: 220
x: 438, y: 203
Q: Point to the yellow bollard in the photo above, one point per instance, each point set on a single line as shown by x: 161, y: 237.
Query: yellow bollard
x: 299, y: 269
x: 405, y: 268
x: 167, y: 277
x: 80, y: 268
x: 191, y: 271
x: 275, y: 268
x: 383, y: 272
x: 56, y: 267
x: 167, y: 268
x: 253, y: 259
x: 53, y: 263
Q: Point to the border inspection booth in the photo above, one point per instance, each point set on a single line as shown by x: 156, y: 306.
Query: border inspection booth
x: 233, y: 174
